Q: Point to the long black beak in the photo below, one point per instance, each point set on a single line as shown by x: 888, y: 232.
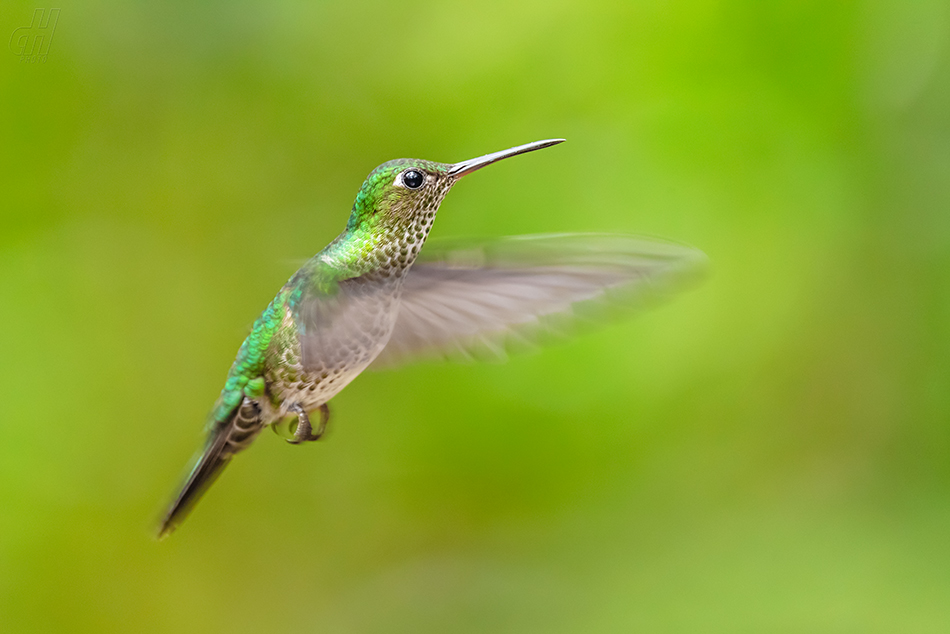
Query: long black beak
x: 467, y: 167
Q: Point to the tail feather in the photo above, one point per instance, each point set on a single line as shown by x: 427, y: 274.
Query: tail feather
x: 226, y: 439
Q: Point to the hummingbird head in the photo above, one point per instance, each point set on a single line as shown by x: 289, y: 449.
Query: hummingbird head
x: 405, y: 194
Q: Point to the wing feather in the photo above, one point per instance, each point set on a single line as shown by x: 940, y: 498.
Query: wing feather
x: 473, y: 299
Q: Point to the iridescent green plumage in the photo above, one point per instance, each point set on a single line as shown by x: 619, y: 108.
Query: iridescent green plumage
x: 362, y: 296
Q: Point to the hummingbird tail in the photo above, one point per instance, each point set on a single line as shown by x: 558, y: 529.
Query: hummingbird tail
x: 226, y: 439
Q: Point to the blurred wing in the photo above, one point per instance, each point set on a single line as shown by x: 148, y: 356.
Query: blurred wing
x: 471, y: 298
x: 343, y: 324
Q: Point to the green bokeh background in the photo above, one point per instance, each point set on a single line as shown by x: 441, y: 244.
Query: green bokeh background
x: 767, y: 453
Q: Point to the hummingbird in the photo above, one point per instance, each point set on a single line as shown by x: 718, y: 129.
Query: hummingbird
x: 372, y: 297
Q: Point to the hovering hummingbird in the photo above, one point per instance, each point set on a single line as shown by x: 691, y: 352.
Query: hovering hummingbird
x: 370, y: 298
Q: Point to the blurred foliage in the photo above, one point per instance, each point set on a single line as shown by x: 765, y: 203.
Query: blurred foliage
x: 767, y: 453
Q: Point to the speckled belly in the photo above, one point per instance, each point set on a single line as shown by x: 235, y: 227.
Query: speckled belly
x: 348, y: 351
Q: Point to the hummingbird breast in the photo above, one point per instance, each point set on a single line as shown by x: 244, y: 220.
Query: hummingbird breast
x: 345, y: 349
x: 352, y: 331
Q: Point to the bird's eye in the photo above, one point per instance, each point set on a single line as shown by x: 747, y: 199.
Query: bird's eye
x: 413, y: 179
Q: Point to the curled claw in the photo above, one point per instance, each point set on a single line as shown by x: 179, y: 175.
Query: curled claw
x: 304, y: 431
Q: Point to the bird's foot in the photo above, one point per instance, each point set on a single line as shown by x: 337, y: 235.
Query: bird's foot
x: 304, y: 431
